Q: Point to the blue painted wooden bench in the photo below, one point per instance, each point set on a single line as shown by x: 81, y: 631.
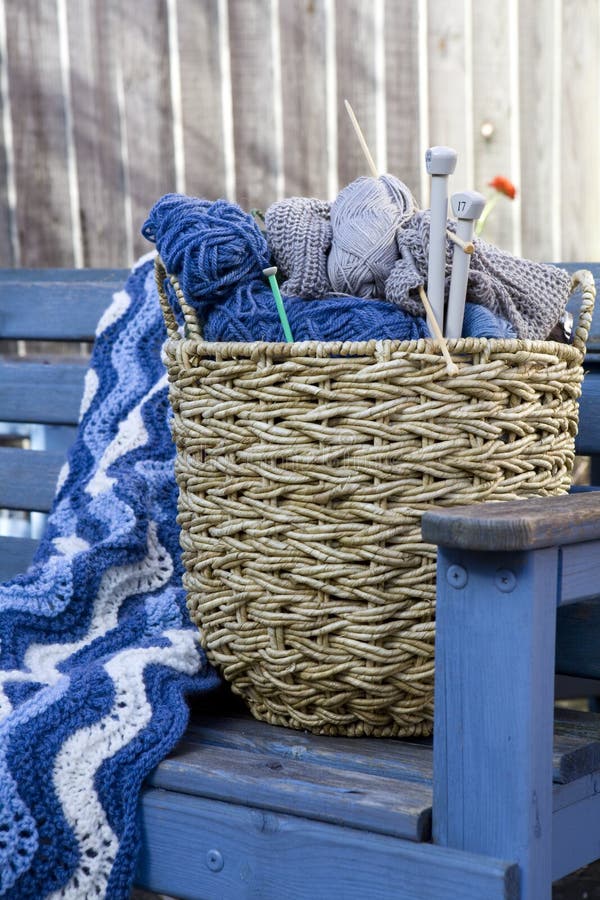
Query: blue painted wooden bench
x: 508, y: 797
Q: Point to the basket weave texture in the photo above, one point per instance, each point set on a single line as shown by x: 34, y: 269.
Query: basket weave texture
x: 303, y: 472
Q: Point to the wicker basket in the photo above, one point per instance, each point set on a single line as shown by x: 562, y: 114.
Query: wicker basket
x: 304, y: 470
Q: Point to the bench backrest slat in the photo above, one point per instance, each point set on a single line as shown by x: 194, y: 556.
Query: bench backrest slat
x: 41, y: 394
x: 15, y: 556
x: 46, y: 305
x: 593, y: 344
x: 28, y: 478
x: 63, y: 276
x: 63, y: 311
x: 588, y: 438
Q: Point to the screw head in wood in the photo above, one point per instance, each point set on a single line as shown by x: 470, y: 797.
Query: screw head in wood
x: 505, y: 580
x: 214, y: 860
x: 456, y: 576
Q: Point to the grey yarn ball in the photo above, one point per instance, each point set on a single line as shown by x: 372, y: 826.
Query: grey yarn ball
x: 365, y: 219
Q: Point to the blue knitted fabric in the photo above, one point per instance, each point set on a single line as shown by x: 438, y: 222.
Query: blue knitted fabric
x: 218, y: 253
x: 96, y: 648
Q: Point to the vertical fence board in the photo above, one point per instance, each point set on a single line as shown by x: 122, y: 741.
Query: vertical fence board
x: 144, y: 57
x: 580, y: 219
x: 449, y: 85
x: 256, y: 156
x: 38, y: 119
x: 8, y: 250
x: 202, y: 109
x: 97, y: 136
x: 537, y: 88
x: 355, y: 56
x: 406, y: 157
x: 303, y: 56
x: 492, y: 55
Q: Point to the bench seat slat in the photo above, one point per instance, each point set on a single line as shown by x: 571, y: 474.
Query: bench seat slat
x: 28, y: 478
x: 47, y: 395
x: 576, y: 745
x: 330, y: 794
x: 15, y: 556
x: 241, y: 760
x: 405, y: 760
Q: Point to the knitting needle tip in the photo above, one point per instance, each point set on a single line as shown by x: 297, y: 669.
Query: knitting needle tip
x: 466, y: 246
x: 270, y: 272
x: 451, y: 367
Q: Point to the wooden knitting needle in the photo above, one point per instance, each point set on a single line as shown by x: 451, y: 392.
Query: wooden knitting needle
x: 361, y: 140
x: 467, y: 206
x: 440, y: 162
x: 451, y: 367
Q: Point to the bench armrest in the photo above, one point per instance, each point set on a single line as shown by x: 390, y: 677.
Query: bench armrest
x: 502, y: 571
x: 516, y: 524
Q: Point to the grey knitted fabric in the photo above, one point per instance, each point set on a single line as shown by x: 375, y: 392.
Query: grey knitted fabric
x: 358, y: 245
x: 299, y: 238
x: 531, y: 296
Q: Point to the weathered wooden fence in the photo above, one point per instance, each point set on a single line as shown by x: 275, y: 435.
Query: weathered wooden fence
x: 108, y: 104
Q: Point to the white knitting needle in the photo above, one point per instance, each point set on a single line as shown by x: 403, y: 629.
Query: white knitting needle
x: 467, y: 206
x: 361, y: 140
x: 440, y: 162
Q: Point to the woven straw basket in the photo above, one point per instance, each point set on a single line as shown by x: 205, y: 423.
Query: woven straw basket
x: 303, y: 472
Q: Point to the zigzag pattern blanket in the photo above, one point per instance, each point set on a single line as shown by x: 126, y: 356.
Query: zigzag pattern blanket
x: 96, y: 649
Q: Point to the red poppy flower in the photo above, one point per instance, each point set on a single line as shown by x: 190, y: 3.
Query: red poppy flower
x: 504, y: 186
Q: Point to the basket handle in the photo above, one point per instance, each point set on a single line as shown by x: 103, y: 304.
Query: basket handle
x: 584, y: 278
x: 189, y: 316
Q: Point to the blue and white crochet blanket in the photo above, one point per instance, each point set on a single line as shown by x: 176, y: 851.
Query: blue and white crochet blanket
x: 96, y: 648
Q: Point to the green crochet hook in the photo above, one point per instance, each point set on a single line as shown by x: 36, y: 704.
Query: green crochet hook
x: 271, y: 272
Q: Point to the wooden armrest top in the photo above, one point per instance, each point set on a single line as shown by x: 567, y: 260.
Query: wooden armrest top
x: 516, y: 524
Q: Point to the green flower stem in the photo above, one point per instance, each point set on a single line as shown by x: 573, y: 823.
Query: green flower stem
x: 490, y: 204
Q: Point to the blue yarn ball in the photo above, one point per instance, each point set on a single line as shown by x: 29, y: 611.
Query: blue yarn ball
x: 211, y: 247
